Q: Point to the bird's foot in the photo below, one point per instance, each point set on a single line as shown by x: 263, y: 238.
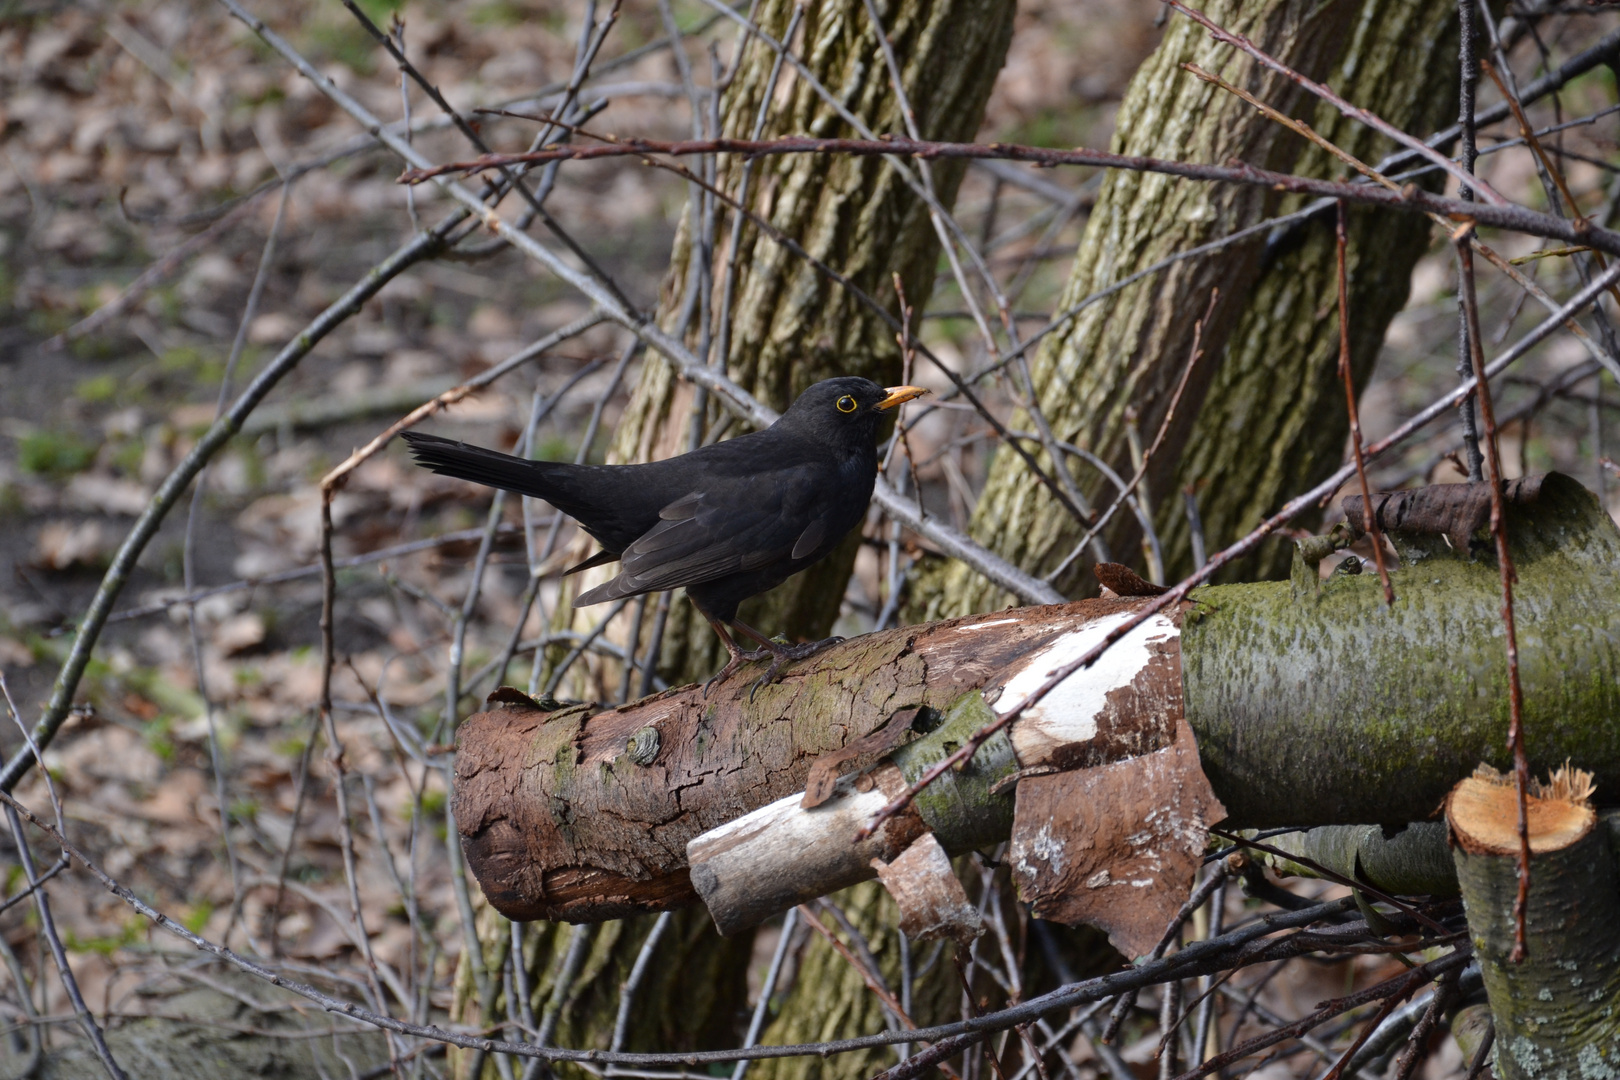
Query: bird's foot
x: 738, y: 659
x: 786, y: 654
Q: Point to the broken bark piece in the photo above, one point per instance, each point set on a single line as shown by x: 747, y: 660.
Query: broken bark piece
x: 931, y: 899
x: 782, y: 855
x: 1554, y: 1010
x: 1116, y: 846
x: 1454, y: 511
x: 1126, y: 703
x: 823, y: 778
x: 1125, y: 581
x: 511, y: 695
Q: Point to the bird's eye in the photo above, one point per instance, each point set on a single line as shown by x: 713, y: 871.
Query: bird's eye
x: 846, y: 404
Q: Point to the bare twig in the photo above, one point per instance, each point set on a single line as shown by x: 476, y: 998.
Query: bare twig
x: 47, y: 926
x: 1503, y: 215
x: 767, y: 989
x: 1341, y: 242
x: 1504, y: 559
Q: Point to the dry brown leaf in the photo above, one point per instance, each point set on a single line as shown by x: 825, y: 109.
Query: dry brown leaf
x: 62, y: 545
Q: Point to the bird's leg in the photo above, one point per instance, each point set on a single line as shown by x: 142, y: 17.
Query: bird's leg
x: 781, y: 654
x: 738, y: 657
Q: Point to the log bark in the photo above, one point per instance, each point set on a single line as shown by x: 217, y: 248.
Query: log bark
x: 1410, y: 861
x: 1312, y: 704
x: 1315, y: 704
x: 566, y: 814
x: 1117, y: 363
x: 790, y: 326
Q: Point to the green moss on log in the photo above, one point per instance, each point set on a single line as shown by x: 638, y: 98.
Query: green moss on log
x: 1333, y: 708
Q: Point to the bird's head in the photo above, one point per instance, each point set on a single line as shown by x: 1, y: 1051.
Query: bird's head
x: 845, y: 411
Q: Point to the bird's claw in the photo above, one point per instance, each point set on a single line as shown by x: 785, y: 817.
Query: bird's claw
x: 778, y: 655
x: 787, y: 654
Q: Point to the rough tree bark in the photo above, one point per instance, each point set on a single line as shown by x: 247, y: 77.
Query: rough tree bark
x: 1262, y: 394
x: 1274, y: 422
x: 1116, y: 364
x: 789, y: 325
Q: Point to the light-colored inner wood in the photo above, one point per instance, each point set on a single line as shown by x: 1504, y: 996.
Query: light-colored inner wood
x: 1484, y: 812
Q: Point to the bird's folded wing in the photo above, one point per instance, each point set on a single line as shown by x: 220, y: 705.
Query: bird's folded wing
x: 744, y: 526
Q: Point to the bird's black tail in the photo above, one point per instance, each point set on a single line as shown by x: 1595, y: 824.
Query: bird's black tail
x: 482, y: 466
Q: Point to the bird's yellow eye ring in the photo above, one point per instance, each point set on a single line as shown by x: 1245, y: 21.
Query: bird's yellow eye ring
x: 846, y: 404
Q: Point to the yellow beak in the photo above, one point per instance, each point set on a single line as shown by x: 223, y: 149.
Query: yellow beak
x: 898, y: 395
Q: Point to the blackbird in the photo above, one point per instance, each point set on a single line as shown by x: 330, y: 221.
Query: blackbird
x: 726, y: 521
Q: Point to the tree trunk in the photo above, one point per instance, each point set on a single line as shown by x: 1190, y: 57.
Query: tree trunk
x: 791, y: 326
x: 694, y: 987
x: 1553, y: 1005
x: 1274, y: 422
x: 829, y: 999
x: 1117, y: 363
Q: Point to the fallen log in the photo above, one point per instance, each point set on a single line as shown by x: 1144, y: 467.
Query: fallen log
x: 580, y: 813
x: 1310, y: 701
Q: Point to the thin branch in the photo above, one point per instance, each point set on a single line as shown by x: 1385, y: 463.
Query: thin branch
x: 1504, y: 560
x: 1341, y: 242
x: 1504, y: 215
x: 47, y: 925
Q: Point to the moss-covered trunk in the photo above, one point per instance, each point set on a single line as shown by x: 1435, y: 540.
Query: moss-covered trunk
x: 1259, y: 417
x: 1274, y: 422
x: 789, y: 324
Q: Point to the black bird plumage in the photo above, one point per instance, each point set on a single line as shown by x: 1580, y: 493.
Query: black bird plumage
x: 726, y: 521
